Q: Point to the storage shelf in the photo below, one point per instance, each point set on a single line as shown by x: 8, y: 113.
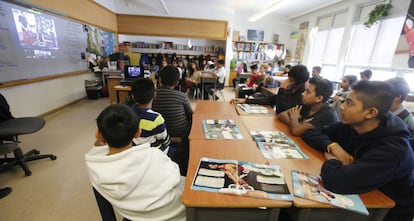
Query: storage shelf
x: 168, y: 51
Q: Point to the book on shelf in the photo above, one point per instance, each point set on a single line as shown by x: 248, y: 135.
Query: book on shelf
x: 221, y: 129
x: 310, y: 186
x: 276, y: 145
x: 241, y: 178
x: 253, y: 108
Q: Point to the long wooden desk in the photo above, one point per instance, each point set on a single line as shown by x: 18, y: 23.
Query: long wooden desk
x: 377, y: 203
x: 214, y: 107
x: 209, y: 206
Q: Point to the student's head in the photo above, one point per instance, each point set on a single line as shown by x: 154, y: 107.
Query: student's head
x: 264, y: 67
x: 169, y: 76
x: 316, y: 71
x: 348, y: 81
x: 194, y: 66
x: 253, y: 68
x: 401, y: 88
x: 367, y: 100
x: 143, y: 90
x: 318, y: 91
x: 117, y: 125
x: 366, y: 75
x: 164, y: 63
x: 220, y: 63
x: 287, y: 68
x: 174, y: 63
x: 299, y: 74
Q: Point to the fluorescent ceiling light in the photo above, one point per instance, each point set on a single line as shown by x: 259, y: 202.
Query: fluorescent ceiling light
x: 164, y: 6
x: 265, y: 11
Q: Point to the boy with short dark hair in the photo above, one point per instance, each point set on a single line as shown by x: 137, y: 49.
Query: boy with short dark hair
x: 314, y: 112
x: 401, y: 92
x: 369, y: 149
x: 152, y: 123
x: 177, y: 112
x: 347, y: 82
x: 149, y: 190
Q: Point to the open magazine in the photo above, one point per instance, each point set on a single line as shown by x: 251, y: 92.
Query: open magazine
x: 221, y: 129
x: 276, y: 145
x: 309, y: 186
x: 241, y: 178
x: 253, y: 108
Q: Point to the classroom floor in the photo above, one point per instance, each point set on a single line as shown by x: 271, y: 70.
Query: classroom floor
x: 60, y: 189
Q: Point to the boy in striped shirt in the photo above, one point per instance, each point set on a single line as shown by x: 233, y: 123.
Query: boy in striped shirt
x: 152, y: 123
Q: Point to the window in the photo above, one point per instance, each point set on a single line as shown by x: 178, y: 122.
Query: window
x: 326, y: 45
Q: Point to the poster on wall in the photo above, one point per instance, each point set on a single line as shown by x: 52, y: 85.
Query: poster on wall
x: 301, y: 40
x: 255, y: 35
x: 101, y: 43
x: 404, y: 54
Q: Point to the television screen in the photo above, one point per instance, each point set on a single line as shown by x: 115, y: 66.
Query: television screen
x: 132, y: 72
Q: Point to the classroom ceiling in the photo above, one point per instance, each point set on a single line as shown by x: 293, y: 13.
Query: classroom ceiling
x: 287, y: 8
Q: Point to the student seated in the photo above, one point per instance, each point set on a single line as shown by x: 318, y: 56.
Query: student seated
x: 254, y: 83
x: 152, y: 124
x: 401, y: 92
x: 150, y: 189
x: 176, y: 109
x: 340, y: 96
x: 314, y: 112
x: 290, y: 91
x: 220, y: 74
x: 369, y: 149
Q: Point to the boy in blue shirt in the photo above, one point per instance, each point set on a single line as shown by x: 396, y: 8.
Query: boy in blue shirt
x: 152, y: 123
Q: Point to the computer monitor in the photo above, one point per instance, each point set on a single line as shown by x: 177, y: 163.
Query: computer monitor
x: 132, y: 71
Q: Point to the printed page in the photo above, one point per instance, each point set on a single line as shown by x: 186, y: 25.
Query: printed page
x: 221, y: 129
x: 309, y: 186
x: 241, y: 178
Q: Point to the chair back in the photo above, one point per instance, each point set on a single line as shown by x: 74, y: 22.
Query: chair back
x: 5, y: 113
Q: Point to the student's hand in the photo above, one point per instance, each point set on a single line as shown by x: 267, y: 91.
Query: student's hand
x: 294, y: 112
x: 329, y: 156
x: 99, y: 143
x: 338, y: 152
x: 337, y: 98
x: 176, y: 139
x: 237, y: 101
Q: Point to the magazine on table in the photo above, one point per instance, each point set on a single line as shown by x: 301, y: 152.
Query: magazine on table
x: 221, y: 129
x: 276, y: 145
x: 309, y: 186
x: 241, y: 178
x: 253, y: 108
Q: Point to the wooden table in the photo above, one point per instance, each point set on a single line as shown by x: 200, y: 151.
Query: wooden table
x: 214, y: 107
x: 207, y: 78
x: 120, y: 88
x: 203, y: 206
x: 376, y: 202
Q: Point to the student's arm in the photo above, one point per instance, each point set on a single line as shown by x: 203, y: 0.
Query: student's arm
x: 284, y: 117
x: 189, y: 116
x: 378, y: 165
x: 321, y: 139
x: 163, y: 140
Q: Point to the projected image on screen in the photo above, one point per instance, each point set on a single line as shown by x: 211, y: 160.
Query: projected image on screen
x: 36, y: 33
x: 133, y: 72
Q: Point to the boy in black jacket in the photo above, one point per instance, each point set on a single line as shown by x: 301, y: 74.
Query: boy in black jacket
x: 369, y: 149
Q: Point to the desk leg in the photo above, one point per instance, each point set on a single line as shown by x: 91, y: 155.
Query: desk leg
x: 117, y: 96
x: 378, y: 214
x: 225, y: 214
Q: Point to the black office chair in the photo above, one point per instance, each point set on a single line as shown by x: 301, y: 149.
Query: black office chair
x: 10, y: 129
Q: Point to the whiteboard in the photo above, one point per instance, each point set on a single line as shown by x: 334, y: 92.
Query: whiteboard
x: 37, y: 44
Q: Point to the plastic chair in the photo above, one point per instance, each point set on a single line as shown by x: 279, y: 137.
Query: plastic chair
x: 10, y: 129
